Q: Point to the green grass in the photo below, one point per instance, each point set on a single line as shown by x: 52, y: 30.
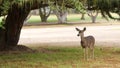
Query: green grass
x: 70, y: 18
x: 62, y: 57
x: 53, y: 18
x: 35, y: 19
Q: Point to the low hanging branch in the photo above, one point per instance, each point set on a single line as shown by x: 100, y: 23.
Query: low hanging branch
x: 108, y: 13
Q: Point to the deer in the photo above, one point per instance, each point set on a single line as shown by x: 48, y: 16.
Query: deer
x: 87, y: 43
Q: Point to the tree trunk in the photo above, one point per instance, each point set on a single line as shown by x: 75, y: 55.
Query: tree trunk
x: 44, y: 14
x: 43, y: 19
x: 27, y: 18
x: 92, y: 16
x: 62, y: 19
x: 13, y: 25
x: 83, y: 16
x: 2, y: 39
x: 62, y: 16
x: 93, y: 19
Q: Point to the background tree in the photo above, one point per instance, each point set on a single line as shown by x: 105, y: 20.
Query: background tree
x: 106, y: 7
x: 62, y: 7
x: 60, y: 11
x: 93, y: 15
x: 44, y: 13
x: 84, y: 2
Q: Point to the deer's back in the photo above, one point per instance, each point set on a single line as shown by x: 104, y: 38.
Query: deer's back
x: 89, y: 41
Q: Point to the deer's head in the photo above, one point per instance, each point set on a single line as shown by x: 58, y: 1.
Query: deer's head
x: 80, y: 32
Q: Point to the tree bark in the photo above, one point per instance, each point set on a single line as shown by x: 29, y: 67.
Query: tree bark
x: 2, y: 39
x: 14, y: 23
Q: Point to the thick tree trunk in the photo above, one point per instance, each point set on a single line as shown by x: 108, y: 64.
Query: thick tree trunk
x: 93, y: 19
x: 2, y: 39
x: 44, y: 14
x: 43, y: 19
x: 13, y: 25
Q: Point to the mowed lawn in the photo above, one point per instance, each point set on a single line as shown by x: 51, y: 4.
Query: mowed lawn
x: 61, y: 57
x: 53, y: 18
x: 70, y: 18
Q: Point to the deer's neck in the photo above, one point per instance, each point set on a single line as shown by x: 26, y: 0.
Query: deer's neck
x: 82, y: 37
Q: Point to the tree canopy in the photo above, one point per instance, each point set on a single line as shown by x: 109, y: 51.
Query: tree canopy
x: 106, y: 7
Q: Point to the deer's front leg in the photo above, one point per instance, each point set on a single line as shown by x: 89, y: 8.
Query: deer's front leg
x: 86, y: 53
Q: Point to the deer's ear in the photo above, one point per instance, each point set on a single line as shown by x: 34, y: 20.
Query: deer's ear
x: 77, y: 29
x: 84, y: 29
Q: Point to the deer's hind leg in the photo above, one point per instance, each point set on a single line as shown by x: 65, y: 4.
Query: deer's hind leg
x: 92, y: 53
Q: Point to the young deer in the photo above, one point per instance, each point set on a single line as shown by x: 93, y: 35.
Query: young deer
x: 86, y: 43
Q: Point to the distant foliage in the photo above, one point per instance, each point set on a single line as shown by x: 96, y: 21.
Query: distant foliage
x: 4, y: 7
x: 106, y: 7
x: 2, y: 24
